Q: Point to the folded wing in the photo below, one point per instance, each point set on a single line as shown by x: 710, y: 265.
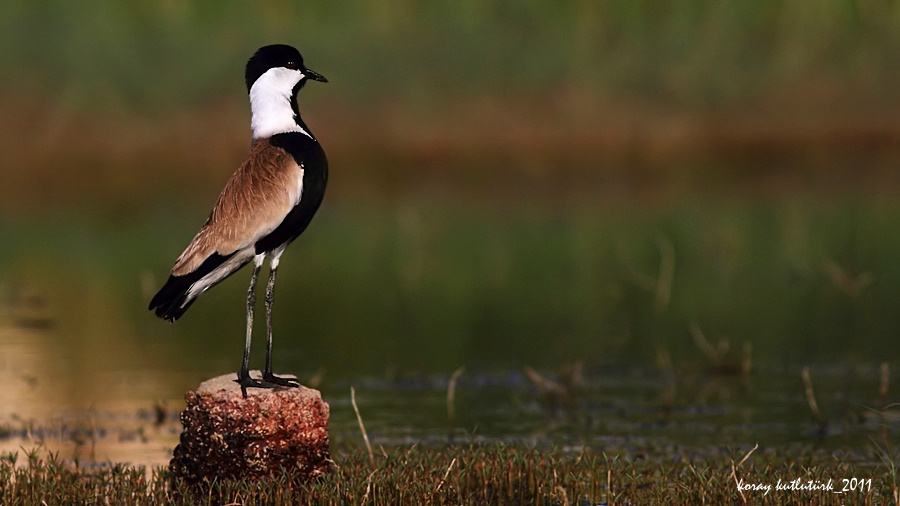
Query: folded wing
x: 253, y: 203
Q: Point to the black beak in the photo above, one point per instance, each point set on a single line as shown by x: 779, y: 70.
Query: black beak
x: 315, y: 76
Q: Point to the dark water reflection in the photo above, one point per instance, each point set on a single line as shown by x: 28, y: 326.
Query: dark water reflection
x: 640, y: 411
x: 130, y: 415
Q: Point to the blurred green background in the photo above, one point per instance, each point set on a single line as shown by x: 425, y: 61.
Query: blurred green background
x: 512, y: 183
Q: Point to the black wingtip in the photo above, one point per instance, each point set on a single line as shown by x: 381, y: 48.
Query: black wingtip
x: 171, y: 301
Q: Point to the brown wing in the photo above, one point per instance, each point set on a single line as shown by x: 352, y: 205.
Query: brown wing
x: 254, y: 201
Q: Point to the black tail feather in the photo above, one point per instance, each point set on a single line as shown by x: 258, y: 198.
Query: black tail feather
x: 171, y: 301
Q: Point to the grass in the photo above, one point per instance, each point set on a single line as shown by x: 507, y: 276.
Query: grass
x: 697, y: 52
x: 479, y: 474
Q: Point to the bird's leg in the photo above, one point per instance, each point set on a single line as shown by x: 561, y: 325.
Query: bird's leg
x: 268, y: 376
x: 244, y: 378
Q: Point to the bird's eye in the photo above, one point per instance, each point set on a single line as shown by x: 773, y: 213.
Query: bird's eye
x: 291, y: 65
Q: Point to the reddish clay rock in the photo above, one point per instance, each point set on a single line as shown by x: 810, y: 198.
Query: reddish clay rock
x: 227, y: 436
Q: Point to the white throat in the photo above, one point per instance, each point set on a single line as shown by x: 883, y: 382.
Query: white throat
x: 270, y: 103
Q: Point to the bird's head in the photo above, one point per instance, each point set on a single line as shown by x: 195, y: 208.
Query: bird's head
x: 279, y: 66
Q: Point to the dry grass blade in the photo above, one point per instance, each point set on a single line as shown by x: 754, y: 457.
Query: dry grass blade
x: 609, y: 488
x: 362, y: 426
x: 851, y: 285
x: 885, y: 380
x: 734, y: 468
x: 810, y: 394
x: 451, y: 393
x: 446, y: 474
x: 316, y: 379
x: 714, y: 354
x: 666, y: 273
x: 661, y: 285
x: 365, y: 496
x: 544, y: 385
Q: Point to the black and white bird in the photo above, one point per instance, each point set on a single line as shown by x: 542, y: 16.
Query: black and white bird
x: 265, y: 205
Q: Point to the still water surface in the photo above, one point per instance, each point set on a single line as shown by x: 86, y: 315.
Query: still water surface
x: 662, y: 306
x: 129, y: 414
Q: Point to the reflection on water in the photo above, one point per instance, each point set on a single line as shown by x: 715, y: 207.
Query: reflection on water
x: 630, y: 412
x: 416, y: 293
x: 105, y: 415
x: 634, y: 410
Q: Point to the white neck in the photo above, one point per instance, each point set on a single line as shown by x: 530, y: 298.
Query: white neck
x: 270, y: 103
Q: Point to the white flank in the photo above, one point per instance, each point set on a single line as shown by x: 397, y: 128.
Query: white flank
x: 219, y: 273
x: 296, y: 192
x: 270, y: 103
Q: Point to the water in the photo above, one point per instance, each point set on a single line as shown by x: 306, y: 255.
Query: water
x: 131, y: 416
x: 662, y: 305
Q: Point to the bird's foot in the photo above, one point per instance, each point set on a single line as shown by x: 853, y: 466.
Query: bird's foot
x: 268, y: 377
x: 246, y: 381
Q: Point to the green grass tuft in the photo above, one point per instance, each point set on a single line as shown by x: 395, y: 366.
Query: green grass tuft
x: 488, y: 474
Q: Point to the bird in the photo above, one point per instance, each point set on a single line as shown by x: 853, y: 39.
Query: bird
x: 266, y: 204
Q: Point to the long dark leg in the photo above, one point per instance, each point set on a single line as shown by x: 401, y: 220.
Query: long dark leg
x: 244, y: 378
x: 270, y: 301
x: 251, y: 302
